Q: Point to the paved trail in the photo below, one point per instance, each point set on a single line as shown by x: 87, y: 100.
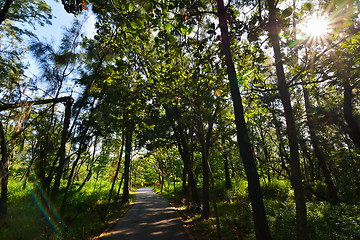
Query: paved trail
x: 149, y: 218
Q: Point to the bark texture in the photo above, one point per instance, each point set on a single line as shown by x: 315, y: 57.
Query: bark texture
x: 260, y: 219
x: 296, y: 177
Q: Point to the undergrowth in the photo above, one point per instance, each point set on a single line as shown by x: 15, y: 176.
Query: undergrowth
x: 83, y: 217
x: 325, y: 221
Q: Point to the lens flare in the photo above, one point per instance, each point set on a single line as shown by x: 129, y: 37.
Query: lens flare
x: 45, y: 206
x: 316, y: 26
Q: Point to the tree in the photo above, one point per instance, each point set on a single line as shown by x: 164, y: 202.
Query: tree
x: 4, y: 174
x: 5, y: 10
x: 296, y: 176
x: 260, y: 219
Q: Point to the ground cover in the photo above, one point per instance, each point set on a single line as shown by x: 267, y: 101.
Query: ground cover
x: 326, y: 221
x: 83, y: 218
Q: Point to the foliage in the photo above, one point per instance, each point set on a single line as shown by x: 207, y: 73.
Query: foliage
x: 325, y: 220
x: 156, y: 69
x: 26, y: 221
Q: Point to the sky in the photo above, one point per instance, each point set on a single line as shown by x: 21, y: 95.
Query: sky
x: 53, y: 33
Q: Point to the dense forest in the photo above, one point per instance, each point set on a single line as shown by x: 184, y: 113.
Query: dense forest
x: 245, y: 114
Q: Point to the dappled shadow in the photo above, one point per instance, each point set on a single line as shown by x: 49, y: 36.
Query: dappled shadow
x: 150, y: 217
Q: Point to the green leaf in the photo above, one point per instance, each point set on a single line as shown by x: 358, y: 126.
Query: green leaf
x: 287, y: 12
x: 307, y: 6
x: 168, y: 26
x: 184, y: 30
x: 134, y: 24
x: 131, y: 7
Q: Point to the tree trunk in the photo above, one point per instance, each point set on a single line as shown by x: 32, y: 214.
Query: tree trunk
x: 62, y: 150
x: 205, y: 191
x: 191, y: 178
x: 218, y: 227
x: 266, y: 154
x: 5, y: 10
x: 4, y: 177
x: 115, y: 177
x: 261, y: 224
x: 184, y: 177
x: 227, y: 174
x: 205, y: 142
x: 68, y: 185
x: 282, y: 152
x: 184, y: 150
x: 318, y: 152
x: 87, y: 178
x: 348, y: 111
x: 128, y: 142
x: 296, y: 178
x: 118, y: 191
x: 162, y: 180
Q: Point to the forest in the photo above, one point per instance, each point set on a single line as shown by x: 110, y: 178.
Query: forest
x: 244, y: 114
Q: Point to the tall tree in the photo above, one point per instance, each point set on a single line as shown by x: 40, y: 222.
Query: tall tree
x: 296, y: 176
x: 4, y: 174
x: 261, y: 224
x: 128, y: 146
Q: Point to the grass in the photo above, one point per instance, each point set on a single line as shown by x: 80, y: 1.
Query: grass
x: 83, y: 216
x: 325, y: 221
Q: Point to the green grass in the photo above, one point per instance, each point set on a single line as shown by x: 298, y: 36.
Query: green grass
x: 83, y: 216
x: 24, y: 220
x: 325, y: 221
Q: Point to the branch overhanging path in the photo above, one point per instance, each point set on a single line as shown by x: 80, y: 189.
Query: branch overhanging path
x: 150, y: 217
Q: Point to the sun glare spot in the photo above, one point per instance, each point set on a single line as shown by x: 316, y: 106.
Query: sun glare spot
x: 316, y: 26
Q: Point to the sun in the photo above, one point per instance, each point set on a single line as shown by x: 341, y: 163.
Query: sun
x: 315, y: 26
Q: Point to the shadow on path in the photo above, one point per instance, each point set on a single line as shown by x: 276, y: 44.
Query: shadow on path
x: 151, y: 217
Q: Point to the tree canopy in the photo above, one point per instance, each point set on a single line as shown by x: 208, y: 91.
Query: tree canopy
x: 246, y: 111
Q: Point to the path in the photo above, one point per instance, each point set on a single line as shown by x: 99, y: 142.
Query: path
x: 151, y: 217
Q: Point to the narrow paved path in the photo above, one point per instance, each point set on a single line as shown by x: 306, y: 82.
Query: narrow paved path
x: 149, y: 218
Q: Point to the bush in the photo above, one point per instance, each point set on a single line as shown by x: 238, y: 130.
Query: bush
x: 277, y: 189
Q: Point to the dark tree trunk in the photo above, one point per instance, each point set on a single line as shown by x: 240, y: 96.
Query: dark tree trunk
x: 282, y: 152
x: 296, y: 178
x: 115, y: 177
x: 191, y: 177
x: 184, y: 175
x: 70, y: 178
x: 62, y: 150
x: 266, y: 154
x: 318, y: 152
x: 128, y: 142
x: 205, y: 142
x: 205, y: 191
x: 4, y: 177
x: 162, y: 180
x: 184, y: 150
x: 227, y: 173
x: 87, y: 178
x: 118, y: 191
x: 5, y: 10
x: 260, y: 219
x: 353, y: 126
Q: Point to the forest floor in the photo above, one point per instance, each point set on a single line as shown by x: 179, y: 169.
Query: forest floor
x: 150, y: 217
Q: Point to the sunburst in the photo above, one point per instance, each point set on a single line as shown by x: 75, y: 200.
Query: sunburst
x: 315, y: 30
x: 316, y: 26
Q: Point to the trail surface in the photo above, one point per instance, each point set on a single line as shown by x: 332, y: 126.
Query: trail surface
x: 151, y: 217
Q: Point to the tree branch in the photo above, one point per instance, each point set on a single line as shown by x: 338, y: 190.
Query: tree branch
x: 8, y: 106
x: 5, y: 10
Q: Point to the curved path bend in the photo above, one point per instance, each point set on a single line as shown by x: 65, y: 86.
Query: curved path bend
x: 151, y: 217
